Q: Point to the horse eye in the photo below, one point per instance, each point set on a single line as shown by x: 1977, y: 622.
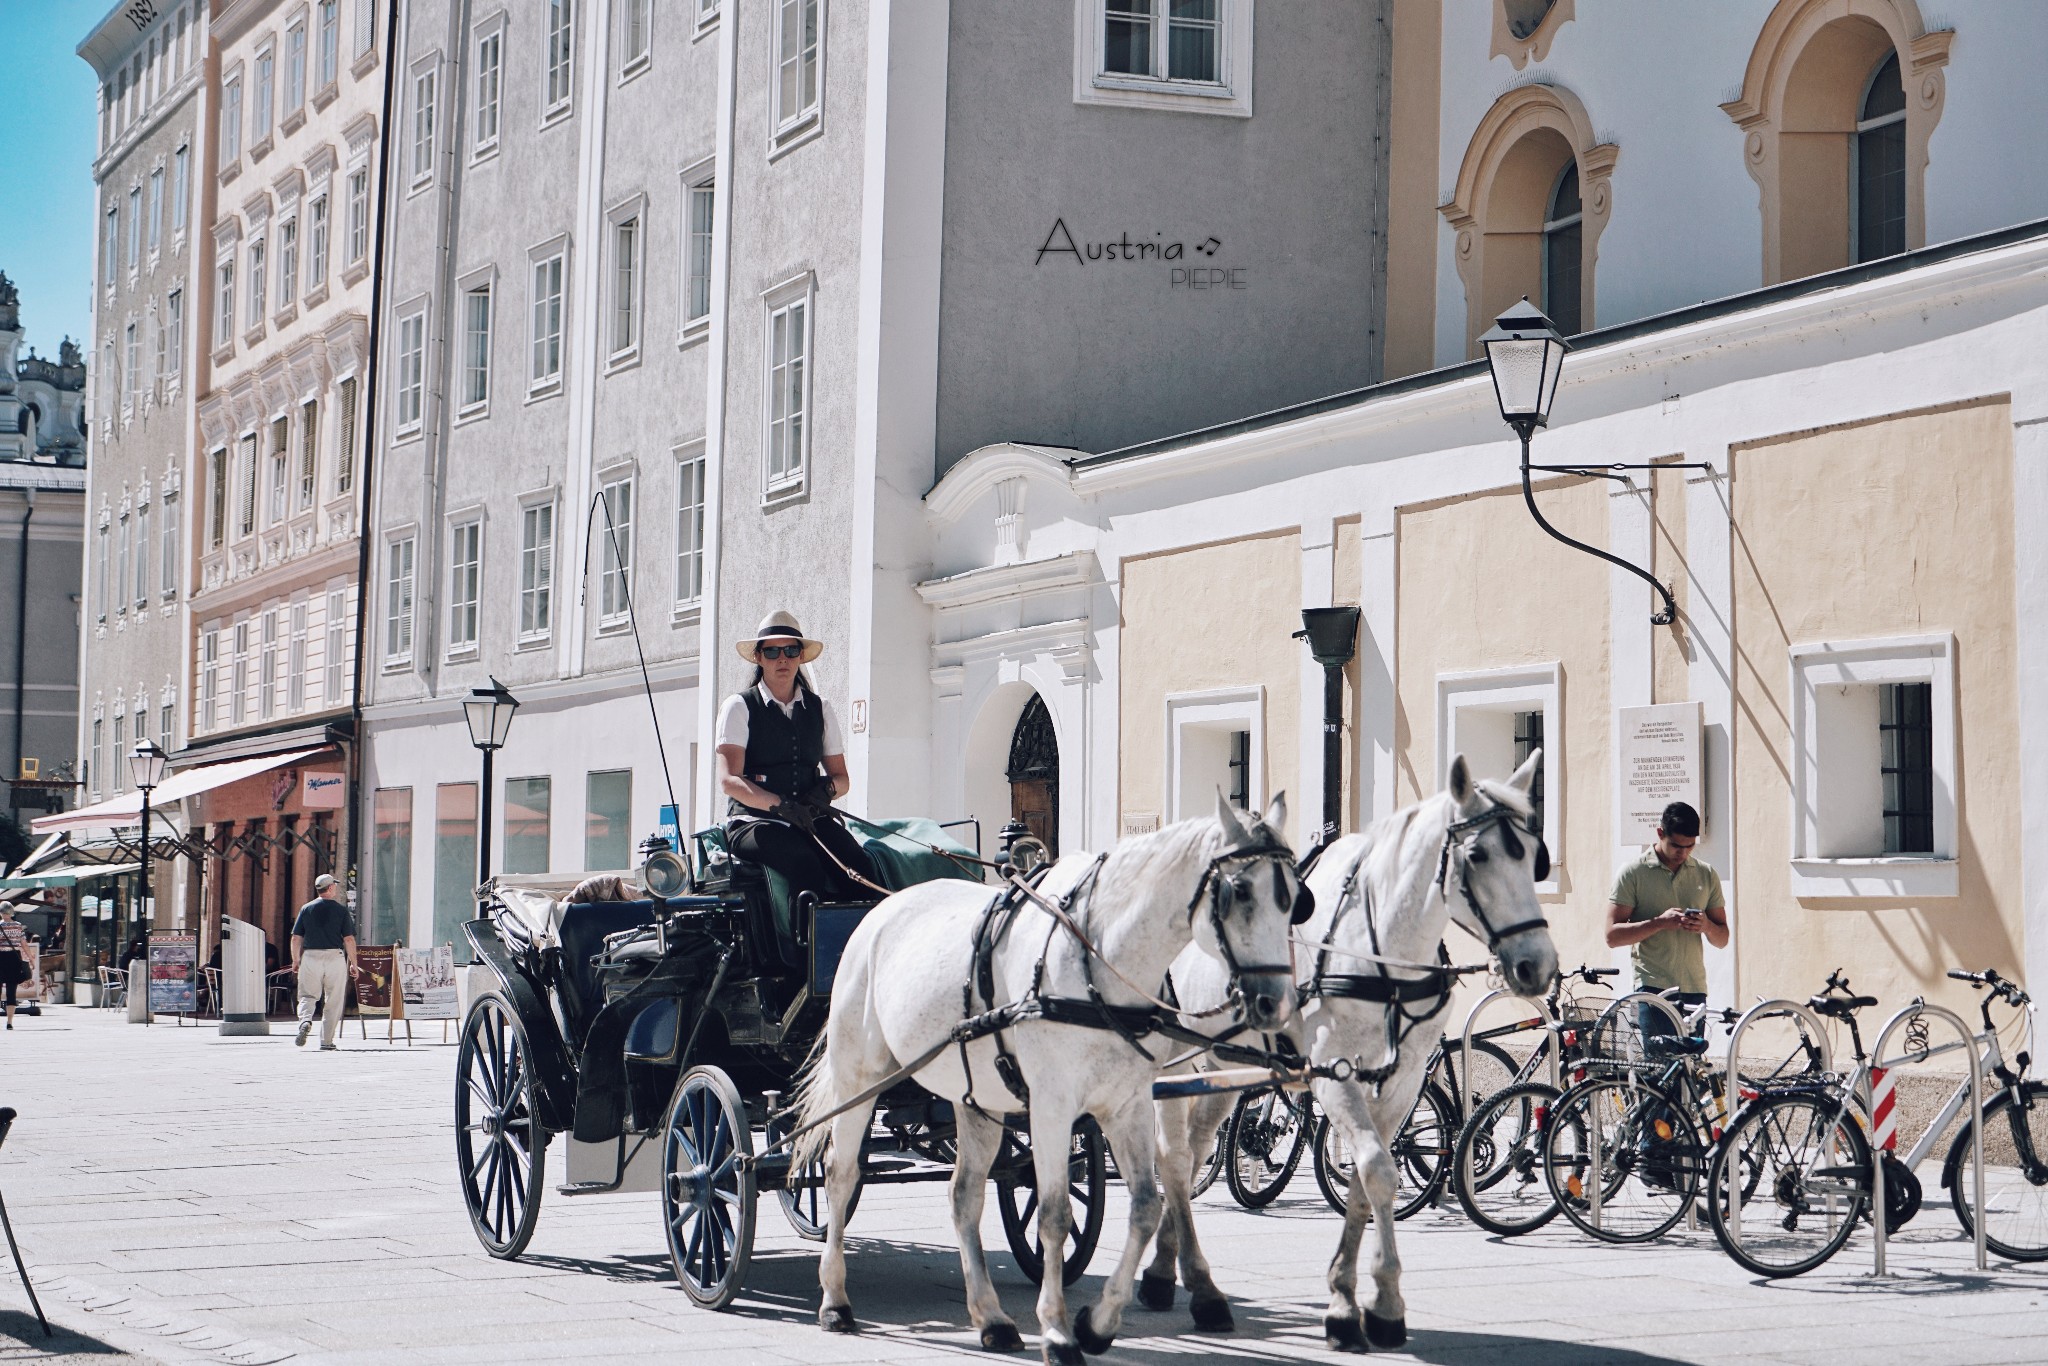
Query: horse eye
x: 1478, y: 856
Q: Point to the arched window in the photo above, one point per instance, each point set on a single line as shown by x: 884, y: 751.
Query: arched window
x: 1562, y: 251
x: 1878, y: 225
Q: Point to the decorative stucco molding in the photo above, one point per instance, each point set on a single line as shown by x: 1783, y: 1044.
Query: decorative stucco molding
x: 1523, y: 30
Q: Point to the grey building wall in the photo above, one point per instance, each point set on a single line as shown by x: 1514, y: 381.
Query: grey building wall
x: 39, y: 615
x: 1062, y: 350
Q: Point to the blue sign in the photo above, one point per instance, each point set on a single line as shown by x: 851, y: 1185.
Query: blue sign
x: 669, y: 828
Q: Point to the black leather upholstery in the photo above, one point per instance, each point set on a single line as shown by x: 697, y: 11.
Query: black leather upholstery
x: 584, y: 927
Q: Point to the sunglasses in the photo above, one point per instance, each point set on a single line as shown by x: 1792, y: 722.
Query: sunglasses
x: 779, y: 651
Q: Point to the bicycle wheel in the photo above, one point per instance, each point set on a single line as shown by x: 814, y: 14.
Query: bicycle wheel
x: 1211, y: 1167
x: 2015, y: 1174
x: 1809, y: 1164
x: 1422, y: 1150
x: 1496, y: 1167
x: 1268, y: 1131
x: 1493, y: 1068
x: 1630, y: 1145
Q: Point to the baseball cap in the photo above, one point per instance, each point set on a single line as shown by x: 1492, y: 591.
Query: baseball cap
x: 323, y: 882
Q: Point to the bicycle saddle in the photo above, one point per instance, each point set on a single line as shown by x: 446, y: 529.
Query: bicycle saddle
x: 1675, y: 1045
x: 1840, y: 1006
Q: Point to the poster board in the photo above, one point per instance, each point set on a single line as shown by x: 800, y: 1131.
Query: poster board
x: 376, y: 979
x: 426, y: 978
x: 174, y: 974
x: 1661, y: 762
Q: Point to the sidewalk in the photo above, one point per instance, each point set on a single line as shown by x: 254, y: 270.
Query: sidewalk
x: 188, y: 1198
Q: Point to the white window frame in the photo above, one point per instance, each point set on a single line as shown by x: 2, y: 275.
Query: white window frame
x: 295, y: 655
x: 224, y: 302
x: 778, y: 302
x: 556, y: 250
x: 255, y: 285
x: 319, y: 232
x: 230, y: 121
x: 409, y: 371
x: 326, y: 61
x: 619, y: 356
x: 156, y: 213
x: 135, y: 227
x: 631, y: 62
x: 615, y: 571
x: 465, y: 577
x: 278, y: 458
x: 697, y: 179
x: 482, y: 282
x: 296, y: 53
x: 174, y: 338
x: 365, y: 28
x: 336, y: 662
x: 542, y: 592
x: 401, y: 598
x: 688, y: 543
x: 287, y: 267
x: 173, y: 552
x: 1461, y: 698
x: 792, y: 127
x: 309, y: 453
x: 488, y: 88
x: 424, y: 104
x: 707, y: 12
x: 558, y: 79
x: 1211, y: 711
x: 181, y: 192
x: 1231, y: 96
x: 263, y: 93
x: 1820, y: 667
x: 357, y: 224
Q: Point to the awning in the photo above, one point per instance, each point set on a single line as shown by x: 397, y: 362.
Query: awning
x: 70, y: 877
x: 126, y: 809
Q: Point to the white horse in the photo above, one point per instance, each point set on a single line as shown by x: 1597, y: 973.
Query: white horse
x: 1382, y: 900
x: 1225, y: 885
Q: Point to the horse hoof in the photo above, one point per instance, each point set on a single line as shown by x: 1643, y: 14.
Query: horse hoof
x: 1343, y: 1334
x: 1062, y: 1354
x: 1385, y: 1332
x: 1093, y: 1343
x: 1155, y: 1292
x: 1212, y: 1315
x: 1001, y: 1337
x: 837, y: 1319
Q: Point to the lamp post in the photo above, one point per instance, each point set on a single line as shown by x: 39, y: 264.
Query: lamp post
x: 1526, y: 355
x: 489, y: 713
x: 1332, y: 636
x: 146, y: 766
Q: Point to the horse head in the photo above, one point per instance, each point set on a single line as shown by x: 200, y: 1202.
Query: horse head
x: 1492, y: 860
x: 1245, y: 907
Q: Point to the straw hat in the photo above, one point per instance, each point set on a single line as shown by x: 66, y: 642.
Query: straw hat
x: 779, y: 628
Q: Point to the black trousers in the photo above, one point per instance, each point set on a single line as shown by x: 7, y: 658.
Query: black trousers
x: 796, y: 855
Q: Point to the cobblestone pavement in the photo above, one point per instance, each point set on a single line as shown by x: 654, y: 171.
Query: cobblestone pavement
x: 184, y: 1197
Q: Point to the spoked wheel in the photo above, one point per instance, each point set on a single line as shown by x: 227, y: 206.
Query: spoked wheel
x: 1622, y: 1160
x: 1211, y: 1167
x: 1087, y: 1191
x: 1497, y: 1167
x: 2015, y: 1174
x: 1267, y: 1133
x: 499, y: 1144
x: 1808, y: 1166
x: 1422, y: 1150
x: 803, y: 1196
x: 707, y: 1195
x: 1333, y: 1165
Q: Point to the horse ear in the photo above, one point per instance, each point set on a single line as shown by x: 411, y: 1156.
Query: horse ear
x: 1525, y: 777
x: 1233, y: 829
x: 1276, y: 812
x: 1459, y: 783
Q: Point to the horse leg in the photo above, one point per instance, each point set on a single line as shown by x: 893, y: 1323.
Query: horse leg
x: 1132, y: 1130
x: 1176, y: 1184
x: 842, y: 1178
x: 1374, y: 1180
x: 1206, y: 1304
x: 1051, y: 1148
x: 980, y: 1139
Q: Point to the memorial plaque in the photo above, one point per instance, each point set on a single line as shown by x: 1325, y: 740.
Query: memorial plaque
x: 1661, y: 763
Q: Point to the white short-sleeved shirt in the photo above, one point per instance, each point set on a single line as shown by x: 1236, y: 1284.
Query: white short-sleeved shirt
x: 732, y: 720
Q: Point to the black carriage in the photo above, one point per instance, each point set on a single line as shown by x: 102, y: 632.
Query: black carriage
x: 659, y: 1039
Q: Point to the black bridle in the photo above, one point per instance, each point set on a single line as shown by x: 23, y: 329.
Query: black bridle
x: 1464, y: 835
x: 1224, y: 882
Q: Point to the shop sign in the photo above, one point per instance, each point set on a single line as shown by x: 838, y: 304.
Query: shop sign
x: 1661, y: 763
x: 324, y: 791
x: 173, y: 974
x: 1188, y: 264
x: 376, y: 975
x: 427, y: 979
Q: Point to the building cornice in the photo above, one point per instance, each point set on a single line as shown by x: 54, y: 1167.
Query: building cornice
x: 1010, y: 582
x: 979, y: 471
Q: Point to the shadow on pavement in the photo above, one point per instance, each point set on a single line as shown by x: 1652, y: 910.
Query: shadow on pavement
x: 625, y: 1270
x: 22, y: 1340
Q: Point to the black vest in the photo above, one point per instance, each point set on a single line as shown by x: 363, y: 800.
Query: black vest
x: 785, y: 754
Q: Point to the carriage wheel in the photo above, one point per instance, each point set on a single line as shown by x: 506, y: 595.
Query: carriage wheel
x: 707, y: 1195
x: 803, y: 1197
x: 500, y: 1146
x: 1087, y: 1183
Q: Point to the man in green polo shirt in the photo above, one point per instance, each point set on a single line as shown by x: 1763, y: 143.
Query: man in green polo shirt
x: 1664, y: 903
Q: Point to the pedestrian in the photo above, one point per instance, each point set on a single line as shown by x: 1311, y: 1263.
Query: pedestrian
x: 14, y: 967
x: 323, y: 959
x: 1664, y: 904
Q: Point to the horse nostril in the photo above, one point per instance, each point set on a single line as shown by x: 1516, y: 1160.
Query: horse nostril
x: 1266, y: 1007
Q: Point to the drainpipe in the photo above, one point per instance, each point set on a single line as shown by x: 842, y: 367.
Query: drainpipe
x: 21, y: 629
x: 1332, y: 636
x: 367, y: 428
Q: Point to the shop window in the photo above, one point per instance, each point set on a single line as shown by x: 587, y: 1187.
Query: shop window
x: 391, y: 866
x: 455, y: 866
x: 528, y: 802
x: 607, y: 821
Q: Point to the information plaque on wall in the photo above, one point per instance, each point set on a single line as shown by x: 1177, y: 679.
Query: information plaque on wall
x: 1661, y: 763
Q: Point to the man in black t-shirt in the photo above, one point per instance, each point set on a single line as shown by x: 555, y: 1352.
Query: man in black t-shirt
x: 323, y: 947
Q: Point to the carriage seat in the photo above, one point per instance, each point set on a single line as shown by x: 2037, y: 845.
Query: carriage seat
x: 583, y: 931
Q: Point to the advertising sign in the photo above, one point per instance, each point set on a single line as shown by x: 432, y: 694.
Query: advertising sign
x: 173, y: 974
x: 322, y: 791
x: 427, y: 979
x: 1661, y: 763
x: 377, y: 979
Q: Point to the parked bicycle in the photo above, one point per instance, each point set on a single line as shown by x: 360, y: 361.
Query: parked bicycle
x: 1809, y: 1148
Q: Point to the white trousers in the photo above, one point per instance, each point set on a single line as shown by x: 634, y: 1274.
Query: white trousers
x: 323, y: 976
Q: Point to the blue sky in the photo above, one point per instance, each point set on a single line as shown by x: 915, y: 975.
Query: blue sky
x: 47, y: 140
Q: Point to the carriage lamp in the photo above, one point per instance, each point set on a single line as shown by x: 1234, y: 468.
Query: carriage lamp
x: 1022, y: 851
x: 1332, y: 636
x: 662, y: 870
x: 489, y: 713
x: 1525, y: 355
x: 146, y: 766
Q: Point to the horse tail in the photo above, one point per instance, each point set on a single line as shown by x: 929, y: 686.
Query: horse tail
x: 816, y: 1098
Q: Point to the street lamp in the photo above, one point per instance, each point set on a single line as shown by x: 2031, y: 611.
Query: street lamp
x: 1526, y: 356
x: 146, y: 766
x: 489, y: 713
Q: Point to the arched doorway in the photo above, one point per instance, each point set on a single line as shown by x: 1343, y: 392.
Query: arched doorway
x: 1034, y: 774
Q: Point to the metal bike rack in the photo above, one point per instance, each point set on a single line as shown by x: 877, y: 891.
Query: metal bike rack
x: 1543, y: 1012
x: 1966, y: 1041
x: 1598, y: 1137
x: 1777, y: 1008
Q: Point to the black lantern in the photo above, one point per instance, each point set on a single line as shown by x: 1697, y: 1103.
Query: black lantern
x: 489, y: 713
x: 146, y: 766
